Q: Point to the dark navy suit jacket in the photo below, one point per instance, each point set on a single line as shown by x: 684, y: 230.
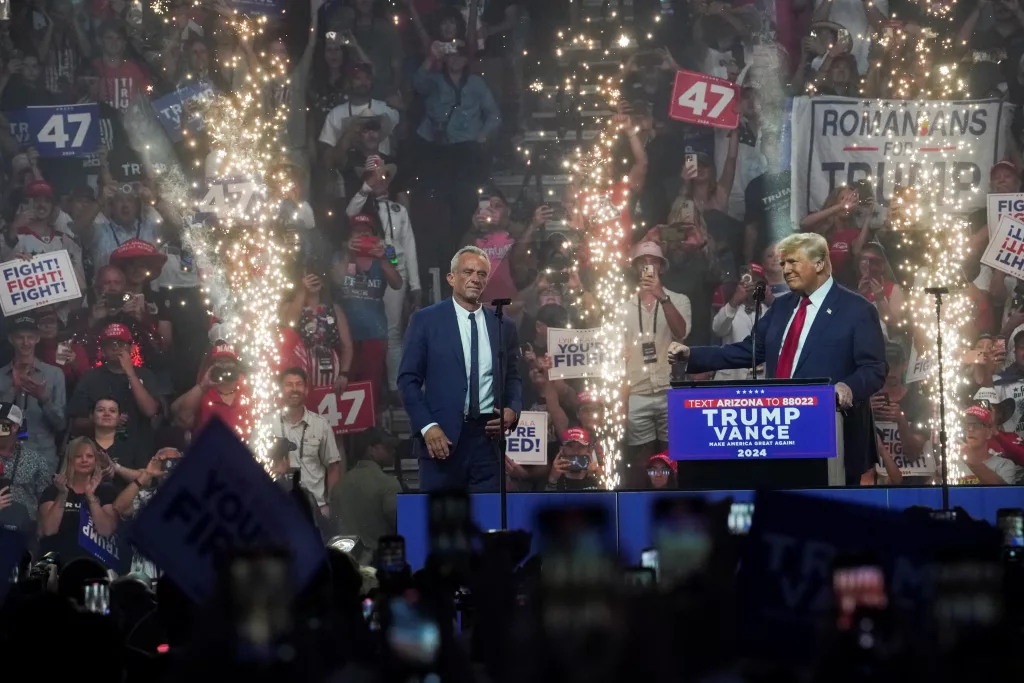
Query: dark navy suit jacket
x: 432, y: 376
x: 844, y: 344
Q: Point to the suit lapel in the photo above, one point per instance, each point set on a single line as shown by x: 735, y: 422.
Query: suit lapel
x: 453, y: 319
x: 822, y: 319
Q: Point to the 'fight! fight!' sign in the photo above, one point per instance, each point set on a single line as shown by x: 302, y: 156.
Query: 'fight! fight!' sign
x: 754, y: 422
x: 45, y: 279
x: 1005, y: 250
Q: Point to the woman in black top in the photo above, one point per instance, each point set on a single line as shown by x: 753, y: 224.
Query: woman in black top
x: 76, y: 515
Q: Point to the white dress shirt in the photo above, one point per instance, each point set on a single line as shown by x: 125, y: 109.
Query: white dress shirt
x: 813, y: 307
x: 484, y: 361
x: 733, y: 325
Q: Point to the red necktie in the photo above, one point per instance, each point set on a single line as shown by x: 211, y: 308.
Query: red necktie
x: 784, y: 370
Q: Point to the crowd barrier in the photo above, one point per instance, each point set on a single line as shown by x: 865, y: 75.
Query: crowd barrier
x: 630, y: 510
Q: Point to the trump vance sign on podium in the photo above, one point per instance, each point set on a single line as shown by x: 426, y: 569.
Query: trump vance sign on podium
x: 756, y: 422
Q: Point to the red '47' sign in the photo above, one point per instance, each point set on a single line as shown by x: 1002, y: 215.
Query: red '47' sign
x: 353, y: 411
x: 705, y: 100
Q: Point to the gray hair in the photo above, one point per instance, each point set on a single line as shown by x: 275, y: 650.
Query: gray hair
x: 476, y: 251
x: 811, y: 243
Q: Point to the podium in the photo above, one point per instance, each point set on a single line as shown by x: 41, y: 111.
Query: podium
x: 747, y: 434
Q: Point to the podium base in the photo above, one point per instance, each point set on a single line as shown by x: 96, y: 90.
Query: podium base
x: 755, y: 474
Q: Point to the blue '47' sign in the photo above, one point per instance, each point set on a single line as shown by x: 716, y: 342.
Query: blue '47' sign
x: 71, y: 130
x: 759, y: 422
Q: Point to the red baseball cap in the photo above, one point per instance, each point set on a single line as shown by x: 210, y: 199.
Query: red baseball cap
x: 138, y: 249
x: 662, y: 457
x: 39, y: 188
x: 1005, y: 163
x: 757, y: 269
x: 361, y: 220
x: 116, y: 331
x: 983, y: 415
x: 223, y: 351
x: 577, y: 434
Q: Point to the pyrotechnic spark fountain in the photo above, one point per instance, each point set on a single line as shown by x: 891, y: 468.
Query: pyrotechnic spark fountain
x: 240, y: 254
x: 929, y: 219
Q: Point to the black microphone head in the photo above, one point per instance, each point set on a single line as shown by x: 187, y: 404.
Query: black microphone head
x: 501, y: 302
x: 759, y: 291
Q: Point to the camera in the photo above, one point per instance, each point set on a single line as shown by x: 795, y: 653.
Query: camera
x: 557, y: 271
x: 674, y: 232
x: 223, y: 374
x: 865, y: 191
x: 117, y: 301
x: 578, y: 463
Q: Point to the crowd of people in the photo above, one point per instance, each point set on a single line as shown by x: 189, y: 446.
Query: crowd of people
x: 400, y: 124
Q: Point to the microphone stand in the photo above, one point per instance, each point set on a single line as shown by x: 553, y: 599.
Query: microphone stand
x: 500, y: 401
x: 937, y: 292
x: 759, y: 292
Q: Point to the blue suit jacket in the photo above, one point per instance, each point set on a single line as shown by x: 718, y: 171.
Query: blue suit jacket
x: 432, y: 376
x: 844, y: 344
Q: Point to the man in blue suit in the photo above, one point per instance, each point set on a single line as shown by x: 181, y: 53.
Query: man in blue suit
x: 450, y: 379
x: 820, y: 329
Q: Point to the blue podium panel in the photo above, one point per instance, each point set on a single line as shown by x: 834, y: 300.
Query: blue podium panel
x: 636, y: 510
x: 629, y: 512
x: 412, y: 521
x: 982, y: 502
x: 900, y: 498
x: 753, y: 422
x: 524, y: 507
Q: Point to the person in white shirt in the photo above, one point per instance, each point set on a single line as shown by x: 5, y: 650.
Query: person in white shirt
x: 997, y: 386
x: 654, y: 319
x: 316, y: 453
x: 398, y: 236
x: 360, y: 83
x: 43, y: 229
x: 735, y: 320
x: 984, y: 465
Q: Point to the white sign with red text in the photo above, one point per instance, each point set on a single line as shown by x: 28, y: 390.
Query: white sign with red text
x: 40, y: 281
x: 351, y: 412
x: 1000, y: 205
x: 705, y: 100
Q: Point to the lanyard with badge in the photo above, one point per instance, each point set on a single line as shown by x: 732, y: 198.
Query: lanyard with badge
x: 389, y: 250
x: 648, y: 348
x: 113, y: 233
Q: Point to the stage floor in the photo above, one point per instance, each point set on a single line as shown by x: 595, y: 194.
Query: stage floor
x: 630, y: 510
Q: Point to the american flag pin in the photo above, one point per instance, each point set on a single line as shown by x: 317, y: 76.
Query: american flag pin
x: 829, y: 311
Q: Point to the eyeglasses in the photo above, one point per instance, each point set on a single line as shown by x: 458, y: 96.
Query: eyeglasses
x: 654, y: 473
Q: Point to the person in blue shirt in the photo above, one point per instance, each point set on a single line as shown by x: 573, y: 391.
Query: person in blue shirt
x: 361, y: 274
x: 461, y: 116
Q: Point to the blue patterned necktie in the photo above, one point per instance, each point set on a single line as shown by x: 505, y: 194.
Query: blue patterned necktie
x: 474, y: 369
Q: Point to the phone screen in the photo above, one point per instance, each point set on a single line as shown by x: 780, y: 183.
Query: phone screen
x: 1011, y: 523
x: 682, y: 537
x: 391, y: 551
x: 261, y: 596
x: 649, y: 559
x: 857, y: 586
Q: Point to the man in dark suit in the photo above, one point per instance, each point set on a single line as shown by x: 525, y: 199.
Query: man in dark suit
x: 450, y: 379
x: 820, y: 329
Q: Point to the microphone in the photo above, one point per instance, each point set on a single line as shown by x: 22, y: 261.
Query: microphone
x: 759, y: 291
x: 936, y: 290
x: 501, y: 302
